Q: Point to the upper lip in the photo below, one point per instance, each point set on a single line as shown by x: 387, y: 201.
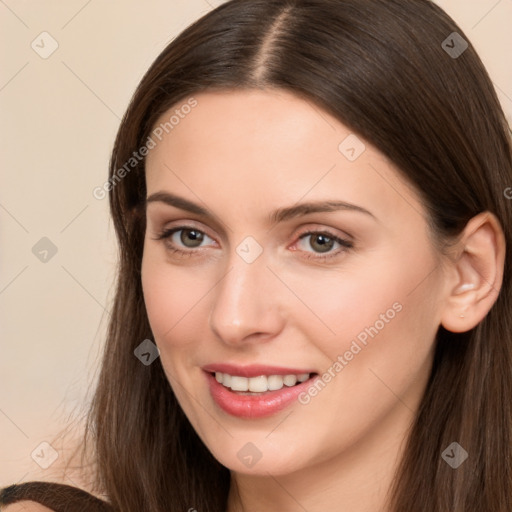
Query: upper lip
x: 253, y: 370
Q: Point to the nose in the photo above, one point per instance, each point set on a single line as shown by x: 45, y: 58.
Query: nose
x: 246, y: 307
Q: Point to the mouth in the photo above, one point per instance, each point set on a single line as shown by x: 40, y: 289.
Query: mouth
x: 256, y: 391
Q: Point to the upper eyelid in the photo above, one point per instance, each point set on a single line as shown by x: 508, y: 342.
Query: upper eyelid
x: 153, y: 209
x: 180, y: 227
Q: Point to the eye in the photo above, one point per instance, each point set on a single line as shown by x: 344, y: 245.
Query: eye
x: 183, y: 239
x: 323, y: 243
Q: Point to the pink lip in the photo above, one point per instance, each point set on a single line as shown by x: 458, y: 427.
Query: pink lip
x: 254, y: 406
x: 253, y: 370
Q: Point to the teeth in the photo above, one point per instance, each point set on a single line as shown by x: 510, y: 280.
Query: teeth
x: 290, y: 380
x: 275, y: 382
x: 259, y: 384
x: 239, y: 383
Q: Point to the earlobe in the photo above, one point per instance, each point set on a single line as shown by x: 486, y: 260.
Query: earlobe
x: 478, y: 271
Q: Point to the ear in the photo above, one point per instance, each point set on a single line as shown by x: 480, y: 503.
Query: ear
x: 475, y: 273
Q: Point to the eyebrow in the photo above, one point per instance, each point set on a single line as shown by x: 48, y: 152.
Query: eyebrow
x: 279, y: 215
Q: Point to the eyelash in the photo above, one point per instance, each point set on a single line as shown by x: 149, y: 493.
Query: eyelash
x: 345, y: 244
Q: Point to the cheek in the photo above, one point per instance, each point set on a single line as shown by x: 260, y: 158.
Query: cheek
x: 395, y: 321
x: 171, y: 295
x: 384, y: 313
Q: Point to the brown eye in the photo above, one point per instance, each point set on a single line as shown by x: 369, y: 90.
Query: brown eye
x: 191, y: 237
x: 321, y: 243
x: 183, y: 239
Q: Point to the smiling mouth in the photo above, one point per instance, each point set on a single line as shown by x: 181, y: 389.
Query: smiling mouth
x: 260, y: 384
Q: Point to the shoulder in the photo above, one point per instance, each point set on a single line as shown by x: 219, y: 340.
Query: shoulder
x: 26, y: 506
x: 48, y: 496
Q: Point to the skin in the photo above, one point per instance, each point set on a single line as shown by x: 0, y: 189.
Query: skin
x: 242, y: 155
x: 27, y: 506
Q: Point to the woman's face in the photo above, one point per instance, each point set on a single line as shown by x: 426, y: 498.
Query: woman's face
x: 245, y: 284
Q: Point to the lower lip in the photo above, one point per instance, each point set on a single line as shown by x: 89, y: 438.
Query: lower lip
x: 255, y: 406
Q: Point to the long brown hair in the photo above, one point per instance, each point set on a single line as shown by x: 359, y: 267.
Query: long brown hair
x: 382, y: 69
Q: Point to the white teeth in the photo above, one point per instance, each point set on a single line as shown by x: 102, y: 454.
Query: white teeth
x: 275, y: 382
x: 290, y: 380
x: 259, y: 384
x: 239, y: 383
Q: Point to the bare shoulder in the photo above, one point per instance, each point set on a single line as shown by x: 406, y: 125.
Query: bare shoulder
x: 26, y: 506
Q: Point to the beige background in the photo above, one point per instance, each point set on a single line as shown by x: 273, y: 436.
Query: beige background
x: 59, y: 118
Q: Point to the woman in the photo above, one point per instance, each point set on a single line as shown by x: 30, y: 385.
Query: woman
x: 313, y: 308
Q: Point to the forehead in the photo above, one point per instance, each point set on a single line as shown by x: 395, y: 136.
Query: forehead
x: 263, y: 148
